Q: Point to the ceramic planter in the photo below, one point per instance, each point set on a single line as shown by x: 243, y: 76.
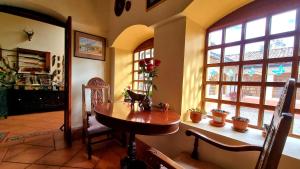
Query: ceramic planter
x: 195, y: 116
x: 219, y: 117
x: 240, y: 123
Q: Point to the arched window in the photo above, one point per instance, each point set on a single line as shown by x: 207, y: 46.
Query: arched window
x: 250, y: 54
x: 144, y: 50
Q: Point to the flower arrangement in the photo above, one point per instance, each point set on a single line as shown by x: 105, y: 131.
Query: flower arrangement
x: 149, y: 68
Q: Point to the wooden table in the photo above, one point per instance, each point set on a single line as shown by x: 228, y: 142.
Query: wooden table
x: 122, y: 117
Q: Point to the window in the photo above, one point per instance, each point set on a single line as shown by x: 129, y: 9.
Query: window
x: 248, y: 63
x: 145, y: 50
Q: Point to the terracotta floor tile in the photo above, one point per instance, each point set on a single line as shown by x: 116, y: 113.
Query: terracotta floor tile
x: 15, y: 150
x: 2, y: 153
x: 7, y: 165
x: 29, y: 155
x: 81, y: 160
x: 36, y: 166
x: 42, y: 140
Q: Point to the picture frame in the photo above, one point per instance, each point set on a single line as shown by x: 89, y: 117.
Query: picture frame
x: 89, y: 46
x: 152, y: 3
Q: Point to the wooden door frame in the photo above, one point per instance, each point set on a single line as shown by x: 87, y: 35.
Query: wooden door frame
x: 67, y: 25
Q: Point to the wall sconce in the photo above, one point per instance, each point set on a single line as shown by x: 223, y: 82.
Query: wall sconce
x: 29, y: 34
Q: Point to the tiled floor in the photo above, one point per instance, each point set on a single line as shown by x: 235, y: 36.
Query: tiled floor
x: 50, y: 152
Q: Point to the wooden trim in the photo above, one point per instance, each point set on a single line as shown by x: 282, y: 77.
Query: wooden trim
x: 148, y: 44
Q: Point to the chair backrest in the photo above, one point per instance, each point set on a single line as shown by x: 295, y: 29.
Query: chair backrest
x: 96, y: 91
x: 278, y: 130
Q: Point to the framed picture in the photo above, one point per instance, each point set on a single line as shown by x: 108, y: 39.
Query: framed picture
x: 89, y: 46
x: 152, y: 3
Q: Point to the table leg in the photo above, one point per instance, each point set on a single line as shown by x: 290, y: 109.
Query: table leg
x: 130, y: 162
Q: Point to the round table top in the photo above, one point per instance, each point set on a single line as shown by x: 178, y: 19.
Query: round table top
x: 120, y: 116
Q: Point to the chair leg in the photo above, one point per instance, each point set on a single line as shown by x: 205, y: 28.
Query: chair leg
x: 89, y: 148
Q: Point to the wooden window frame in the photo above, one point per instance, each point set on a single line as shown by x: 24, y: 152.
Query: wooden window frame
x: 146, y: 45
x: 232, y: 19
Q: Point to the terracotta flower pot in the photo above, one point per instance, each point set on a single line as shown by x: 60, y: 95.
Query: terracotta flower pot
x: 195, y: 116
x: 219, y: 117
x: 240, y: 123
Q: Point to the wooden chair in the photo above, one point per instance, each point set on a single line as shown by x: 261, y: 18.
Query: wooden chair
x: 99, y: 92
x: 270, y: 152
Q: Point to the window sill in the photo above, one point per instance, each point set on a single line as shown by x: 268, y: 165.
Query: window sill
x: 252, y: 136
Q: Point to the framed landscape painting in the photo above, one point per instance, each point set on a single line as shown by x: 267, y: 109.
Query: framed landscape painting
x: 89, y: 46
x: 152, y: 3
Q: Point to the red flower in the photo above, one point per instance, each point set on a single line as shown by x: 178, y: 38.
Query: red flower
x: 148, y: 60
x: 150, y: 67
x: 157, y: 62
x: 142, y: 63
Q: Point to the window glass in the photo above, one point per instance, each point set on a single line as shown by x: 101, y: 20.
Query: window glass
x: 141, y: 86
x: 254, y: 51
x: 230, y: 73
x: 250, y: 94
x: 252, y: 73
x: 136, y: 56
x: 255, y: 28
x: 209, y: 106
x: 135, y: 76
x: 215, y: 38
x: 214, y: 56
x: 213, y: 74
x: 296, y: 124
x: 142, y: 55
x: 297, y: 104
x: 283, y: 22
x: 233, y: 33
x: 268, y: 115
x: 229, y: 108
x: 283, y: 47
x: 212, y: 91
x: 272, y: 95
x: 232, y: 54
x: 148, y: 53
x: 250, y: 113
x: 279, y: 72
x: 229, y: 92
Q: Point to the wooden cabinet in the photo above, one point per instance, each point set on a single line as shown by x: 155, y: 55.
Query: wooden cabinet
x: 34, y: 101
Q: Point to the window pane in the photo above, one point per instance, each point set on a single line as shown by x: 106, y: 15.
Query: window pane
x: 232, y: 54
x: 256, y: 28
x: 229, y: 92
x: 252, y: 73
x: 297, y: 105
x: 148, y: 53
x: 142, y: 55
x: 135, y: 85
x: 296, y: 124
x: 229, y: 108
x: 279, y: 72
x: 209, y: 106
x: 250, y: 94
x: 283, y: 22
x: 282, y: 47
x: 214, y: 56
x: 141, y: 86
x: 136, y: 76
x: 136, y: 56
x: 215, y: 38
x: 272, y: 95
x: 230, y: 73
x: 254, y: 51
x: 212, y: 91
x: 152, y: 52
x: 141, y: 76
x: 136, y: 65
x: 213, y: 74
x: 250, y: 113
x: 233, y: 33
x: 268, y: 114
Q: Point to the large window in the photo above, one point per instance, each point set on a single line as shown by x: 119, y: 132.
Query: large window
x: 248, y: 63
x: 145, y: 50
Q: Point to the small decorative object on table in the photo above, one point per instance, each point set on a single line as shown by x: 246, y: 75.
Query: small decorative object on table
x: 265, y: 130
x: 164, y: 106
x: 135, y: 97
x: 196, y: 115
x: 240, y: 124
x: 149, y: 68
x: 219, y: 117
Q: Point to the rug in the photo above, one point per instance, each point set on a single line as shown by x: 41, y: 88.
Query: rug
x: 3, y: 135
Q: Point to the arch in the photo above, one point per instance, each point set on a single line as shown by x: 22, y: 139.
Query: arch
x: 133, y: 36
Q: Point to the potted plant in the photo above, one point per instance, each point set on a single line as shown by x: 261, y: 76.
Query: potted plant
x: 240, y: 124
x: 196, y: 114
x: 126, y: 95
x: 219, y: 117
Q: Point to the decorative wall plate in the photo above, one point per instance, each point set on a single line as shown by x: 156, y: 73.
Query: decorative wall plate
x: 119, y: 7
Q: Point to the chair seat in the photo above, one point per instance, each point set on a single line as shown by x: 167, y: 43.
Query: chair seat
x: 95, y: 127
x: 187, y: 162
